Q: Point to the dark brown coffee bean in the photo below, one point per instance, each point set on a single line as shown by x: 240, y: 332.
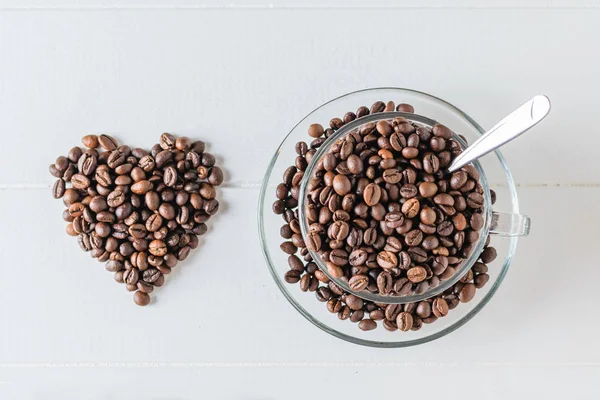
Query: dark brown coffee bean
x: 475, y: 200
x: 476, y: 221
x: 150, y: 275
x: 407, y: 108
x: 411, y: 207
x: 384, y: 283
x: 358, y: 282
x: 488, y: 255
x: 387, y: 260
x: 157, y: 248
x: 114, y: 266
x: 416, y: 274
x: 90, y: 141
x: 467, y: 293
x: 58, y: 190
x: 404, y: 321
x: 480, y: 280
x: 167, y: 141
x: 355, y: 303
x: 423, y: 309
x: 141, y: 299
x: 372, y: 194
x: 439, y: 307
x: 367, y: 325
x: 341, y: 185
x: 106, y: 142
x: 315, y: 130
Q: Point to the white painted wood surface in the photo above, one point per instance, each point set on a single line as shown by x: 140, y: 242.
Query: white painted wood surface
x: 138, y: 68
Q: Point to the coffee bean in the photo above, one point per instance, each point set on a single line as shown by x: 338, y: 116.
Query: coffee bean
x: 407, y: 108
x: 439, y: 307
x: 387, y: 260
x: 358, y: 282
x: 467, y: 293
x: 480, y: 280
x: 416, y: 274
x: 80, y: 181
x: 431, y: 163
x: 427, y: 216
x: 355, y: 303
x: 150, y: 275
x: 384, y: 282
x: 315, y: 130
x: 414, y: 237
x: 404, y: 321
x: 58, y: 190
x: 372, y: 194
x: 475, y: 200
x: 423, y: 309
x: 90, y: 141
x: 476, y: 221
x: 367, y: 325
x: 115, y: 159
x: 141, y: 298
x: 341, y: 184
x: 411, y: 207
x: 488, y: 255
x: 142, y: 187
x: 107, y: 142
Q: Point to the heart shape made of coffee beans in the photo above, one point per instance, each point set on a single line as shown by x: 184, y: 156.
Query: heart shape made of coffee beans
x: 139, y: 211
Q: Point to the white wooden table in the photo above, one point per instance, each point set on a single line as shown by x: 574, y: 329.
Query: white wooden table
x: 240, y: 76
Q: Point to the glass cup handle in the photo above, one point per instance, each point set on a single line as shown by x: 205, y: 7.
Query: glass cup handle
x: 507, y: 224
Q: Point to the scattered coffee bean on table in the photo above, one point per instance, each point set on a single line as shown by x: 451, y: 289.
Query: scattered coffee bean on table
x: 384, y: 216
x: 139, y: 211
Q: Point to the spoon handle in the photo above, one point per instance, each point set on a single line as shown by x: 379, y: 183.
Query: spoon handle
x: 513, y: 125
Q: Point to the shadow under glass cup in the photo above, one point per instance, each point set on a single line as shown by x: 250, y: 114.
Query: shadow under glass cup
x: 506, y: 224
x: 503, y: 227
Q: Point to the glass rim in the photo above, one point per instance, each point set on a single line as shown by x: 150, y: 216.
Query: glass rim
x: 513, y: 241
x: 365, y: 294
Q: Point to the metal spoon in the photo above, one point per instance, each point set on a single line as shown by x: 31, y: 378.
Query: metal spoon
x: 512, y: 126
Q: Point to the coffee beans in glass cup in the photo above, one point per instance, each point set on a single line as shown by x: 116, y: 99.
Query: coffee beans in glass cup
x: 384, y: 231
x: 140, y: 212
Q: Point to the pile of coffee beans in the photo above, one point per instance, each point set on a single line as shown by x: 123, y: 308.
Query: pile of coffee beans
x: 386, y: 217
x: 139, y: 211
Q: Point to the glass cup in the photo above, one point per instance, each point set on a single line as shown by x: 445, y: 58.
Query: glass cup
x: 497, y: 223
x: 502, y: 221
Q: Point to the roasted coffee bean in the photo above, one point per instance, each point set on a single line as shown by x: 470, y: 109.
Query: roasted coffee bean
x: 414, y: 237
x: 80, y: 181
x: 141, y: 298
x: 439, y: 307
x: 387, y: 260
x: 372, y: 194
x: 90, y: 141
x: 411, y: 207
x: 488, y: 255
x: 476, y: 221
x: 341, y: 185
x: 407, y: 108
x: 58, y: 190
x: 355, y: 303
x: 467, y: 293
x: 384, y: 282
x: 416, y: 274
x: 358, y: 282
x: 475, y: 200
x: 404, y: 321
x: 367, y: 325
x: 107, y: 142
x: 480, y: 280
